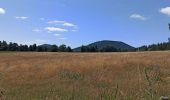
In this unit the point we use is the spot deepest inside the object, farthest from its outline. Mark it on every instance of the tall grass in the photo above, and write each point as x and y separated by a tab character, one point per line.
87	76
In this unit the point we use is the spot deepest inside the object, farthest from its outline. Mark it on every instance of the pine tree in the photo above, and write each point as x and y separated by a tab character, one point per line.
34	47
54	48
68	49
62	48
4	46
83	48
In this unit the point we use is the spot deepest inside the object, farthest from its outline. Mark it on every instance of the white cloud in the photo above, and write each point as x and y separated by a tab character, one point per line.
74	30
138	16
62	38
21	17
2	11
36	30
68	24
57	35
57	26
42	18
56	22
62	23
55	29
165	11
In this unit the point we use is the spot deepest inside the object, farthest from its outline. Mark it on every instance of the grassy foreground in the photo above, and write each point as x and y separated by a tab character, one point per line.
76	76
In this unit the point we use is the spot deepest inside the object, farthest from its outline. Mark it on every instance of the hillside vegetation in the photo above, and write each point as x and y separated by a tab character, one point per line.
104	45
88	76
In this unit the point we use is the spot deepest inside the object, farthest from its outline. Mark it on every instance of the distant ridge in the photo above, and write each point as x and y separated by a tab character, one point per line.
108	43
46	45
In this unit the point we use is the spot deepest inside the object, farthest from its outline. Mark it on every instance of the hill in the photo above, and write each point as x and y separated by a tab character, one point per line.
107	43
46	46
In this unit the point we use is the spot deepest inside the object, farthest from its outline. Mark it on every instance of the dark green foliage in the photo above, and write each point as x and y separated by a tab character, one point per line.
39	49
101	46
68	49
62	48
13	47
120	46
115	44
54	48
112	46
4	46
109	49
84	48
23	48
93	49
33	47
96	49
143	48
156	47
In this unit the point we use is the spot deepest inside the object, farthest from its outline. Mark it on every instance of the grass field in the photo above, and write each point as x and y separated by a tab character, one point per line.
88	76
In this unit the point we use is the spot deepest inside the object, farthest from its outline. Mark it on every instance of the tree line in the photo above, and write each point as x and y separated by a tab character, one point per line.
155	47
96	49
4	46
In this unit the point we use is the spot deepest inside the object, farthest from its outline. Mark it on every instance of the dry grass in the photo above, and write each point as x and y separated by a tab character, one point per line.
76	76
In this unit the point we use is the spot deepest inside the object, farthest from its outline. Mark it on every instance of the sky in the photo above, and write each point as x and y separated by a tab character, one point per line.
80	22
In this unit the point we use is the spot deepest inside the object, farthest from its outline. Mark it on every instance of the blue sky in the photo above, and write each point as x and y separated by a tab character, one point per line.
77	22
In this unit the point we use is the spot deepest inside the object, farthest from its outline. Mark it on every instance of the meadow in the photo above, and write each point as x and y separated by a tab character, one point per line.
84	76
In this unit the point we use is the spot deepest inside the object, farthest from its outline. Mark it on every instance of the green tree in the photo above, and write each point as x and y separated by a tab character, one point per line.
54	48
39	49
4	46
109	49
68	49
62	48
31	48
34	47
84	48
143	48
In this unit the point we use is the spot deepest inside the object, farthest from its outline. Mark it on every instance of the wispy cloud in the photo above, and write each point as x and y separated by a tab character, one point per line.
74	30
2	11
165	11
21	17
42	18
37	30
63	38
68	24
56	22
62	23
55	29
57	35
138	16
